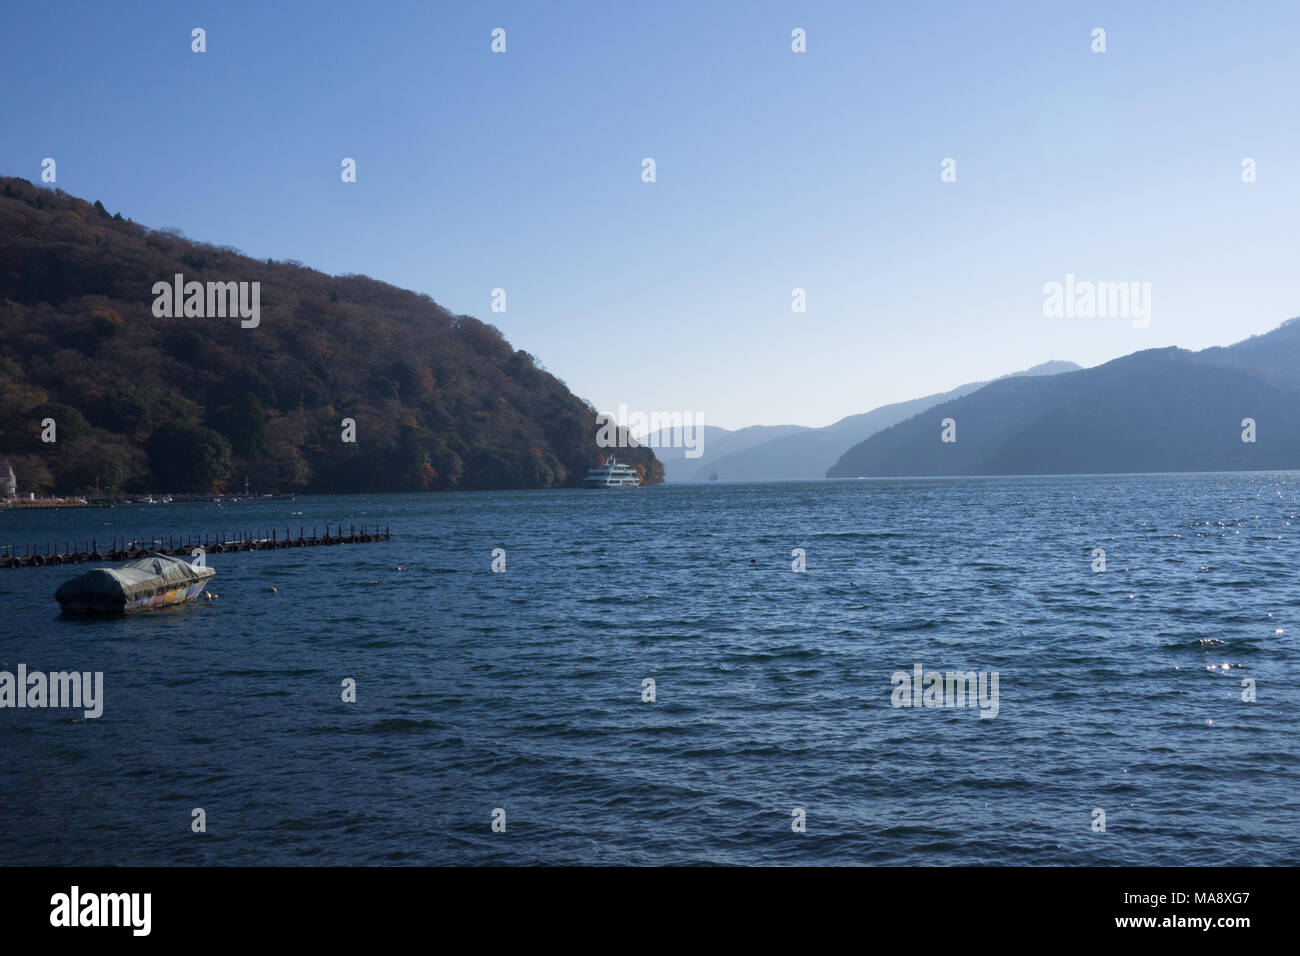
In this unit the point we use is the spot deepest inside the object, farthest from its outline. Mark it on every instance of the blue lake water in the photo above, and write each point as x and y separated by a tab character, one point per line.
522	690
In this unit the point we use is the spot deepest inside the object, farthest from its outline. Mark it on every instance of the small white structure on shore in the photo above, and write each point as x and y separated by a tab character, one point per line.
8	483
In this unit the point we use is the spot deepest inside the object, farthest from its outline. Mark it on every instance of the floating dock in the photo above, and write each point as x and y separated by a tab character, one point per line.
126	549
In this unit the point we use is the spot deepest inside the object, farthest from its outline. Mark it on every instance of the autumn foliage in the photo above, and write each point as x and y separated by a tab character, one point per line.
440	401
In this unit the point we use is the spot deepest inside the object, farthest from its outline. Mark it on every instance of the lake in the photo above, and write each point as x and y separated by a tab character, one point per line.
524	690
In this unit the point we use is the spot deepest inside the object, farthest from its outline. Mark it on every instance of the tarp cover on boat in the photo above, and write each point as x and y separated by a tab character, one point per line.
133	580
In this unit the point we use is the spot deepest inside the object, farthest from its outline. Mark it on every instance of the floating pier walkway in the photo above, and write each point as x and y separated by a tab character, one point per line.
125	549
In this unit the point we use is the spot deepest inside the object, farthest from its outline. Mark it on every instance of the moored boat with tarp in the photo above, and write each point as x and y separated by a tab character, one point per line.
154	580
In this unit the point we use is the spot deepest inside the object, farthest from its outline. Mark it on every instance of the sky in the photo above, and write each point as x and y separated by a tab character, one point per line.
774	170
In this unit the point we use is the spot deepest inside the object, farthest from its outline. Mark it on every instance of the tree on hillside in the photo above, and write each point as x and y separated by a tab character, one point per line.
32	474
188	458
244	424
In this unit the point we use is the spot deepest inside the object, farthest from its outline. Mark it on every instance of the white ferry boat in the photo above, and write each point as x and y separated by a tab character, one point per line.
612	475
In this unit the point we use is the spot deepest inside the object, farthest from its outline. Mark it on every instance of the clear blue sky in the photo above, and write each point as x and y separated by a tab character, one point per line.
775	170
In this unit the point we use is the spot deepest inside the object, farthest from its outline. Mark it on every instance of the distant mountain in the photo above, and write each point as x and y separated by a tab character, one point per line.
1156	410
809	452
715	442
148	397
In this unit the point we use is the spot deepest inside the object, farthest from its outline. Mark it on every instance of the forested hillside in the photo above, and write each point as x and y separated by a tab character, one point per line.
142	403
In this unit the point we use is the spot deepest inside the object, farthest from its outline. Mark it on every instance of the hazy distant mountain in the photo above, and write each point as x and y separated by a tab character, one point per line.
1157	410
715	443
810	451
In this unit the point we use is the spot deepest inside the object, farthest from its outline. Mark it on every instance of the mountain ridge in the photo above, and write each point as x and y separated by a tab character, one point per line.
143	402
1155	410
809	452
